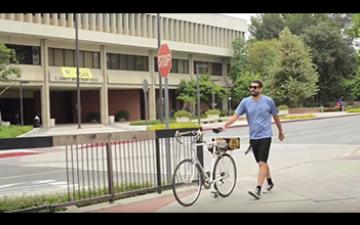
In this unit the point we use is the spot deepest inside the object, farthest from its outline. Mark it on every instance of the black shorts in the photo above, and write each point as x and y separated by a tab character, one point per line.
261	148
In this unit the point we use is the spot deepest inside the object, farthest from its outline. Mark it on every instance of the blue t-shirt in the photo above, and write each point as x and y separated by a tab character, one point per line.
258	114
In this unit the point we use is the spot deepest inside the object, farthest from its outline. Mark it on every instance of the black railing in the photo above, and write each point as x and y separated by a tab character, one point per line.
109	166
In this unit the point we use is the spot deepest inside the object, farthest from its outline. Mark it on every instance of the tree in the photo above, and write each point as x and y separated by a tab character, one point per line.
261	56
334	57
7	57
187	90
239	61
240	87
293	76
266	26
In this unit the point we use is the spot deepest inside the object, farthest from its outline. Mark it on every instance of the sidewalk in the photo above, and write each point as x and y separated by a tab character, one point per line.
298	188
124	126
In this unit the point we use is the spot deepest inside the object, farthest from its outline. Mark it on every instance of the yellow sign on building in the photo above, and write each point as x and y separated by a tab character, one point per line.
70	72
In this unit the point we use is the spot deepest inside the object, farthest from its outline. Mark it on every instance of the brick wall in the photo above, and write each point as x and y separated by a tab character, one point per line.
127	100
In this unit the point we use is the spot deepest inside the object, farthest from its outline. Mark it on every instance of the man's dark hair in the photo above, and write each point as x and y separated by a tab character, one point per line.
259	82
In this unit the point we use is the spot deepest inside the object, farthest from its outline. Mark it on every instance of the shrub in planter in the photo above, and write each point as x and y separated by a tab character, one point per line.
283	108
213	114
93	117
122	116
182	116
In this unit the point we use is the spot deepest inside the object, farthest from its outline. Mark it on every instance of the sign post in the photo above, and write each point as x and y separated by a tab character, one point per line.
164	65
145	88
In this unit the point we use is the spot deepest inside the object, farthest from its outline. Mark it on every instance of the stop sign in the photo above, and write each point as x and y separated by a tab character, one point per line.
164	60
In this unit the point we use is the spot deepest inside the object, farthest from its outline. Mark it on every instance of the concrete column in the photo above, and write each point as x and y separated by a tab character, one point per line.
2	16
126	23
79	20
28	17
46	19
99	23
85	21
151	94
119	23
62	19
93	21
182	31
54	19
201	34
37	18
106	22
177	31
71	20
104	98
187	39
165	29
196	31
20	17
144	32
138	24
150	26
132	24
191	32
113	23
45	89
11	16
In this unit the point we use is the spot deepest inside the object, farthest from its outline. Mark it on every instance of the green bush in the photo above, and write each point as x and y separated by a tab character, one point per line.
13	131
174	126
212	112
93	117
283	107
222	114
182	113
144	122
122	115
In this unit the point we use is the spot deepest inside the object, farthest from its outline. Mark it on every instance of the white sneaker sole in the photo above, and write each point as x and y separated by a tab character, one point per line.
254	195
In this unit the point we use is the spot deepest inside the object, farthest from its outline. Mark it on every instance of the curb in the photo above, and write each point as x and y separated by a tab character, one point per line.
291	121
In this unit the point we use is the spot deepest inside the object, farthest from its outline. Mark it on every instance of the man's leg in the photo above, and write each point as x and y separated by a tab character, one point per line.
263	173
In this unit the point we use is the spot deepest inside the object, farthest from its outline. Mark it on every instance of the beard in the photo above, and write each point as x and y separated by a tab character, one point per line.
254	94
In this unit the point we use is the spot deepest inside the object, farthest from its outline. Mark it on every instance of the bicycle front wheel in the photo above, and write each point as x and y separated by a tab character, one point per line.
224	175
187	182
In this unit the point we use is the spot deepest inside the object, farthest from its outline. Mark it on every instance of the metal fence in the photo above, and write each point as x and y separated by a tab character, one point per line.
108	166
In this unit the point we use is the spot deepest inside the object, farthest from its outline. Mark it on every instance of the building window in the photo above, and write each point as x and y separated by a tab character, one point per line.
127	62
216	69
178	66
211	68
29	55
66	57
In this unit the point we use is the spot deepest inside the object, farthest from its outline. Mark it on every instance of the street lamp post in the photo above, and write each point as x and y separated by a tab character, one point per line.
21	103
198	66
77	70
229	105
213	98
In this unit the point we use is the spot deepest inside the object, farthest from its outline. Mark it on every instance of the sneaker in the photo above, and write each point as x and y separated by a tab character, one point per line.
268	188
255	194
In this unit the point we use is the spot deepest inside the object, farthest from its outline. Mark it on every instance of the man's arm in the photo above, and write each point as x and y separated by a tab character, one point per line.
230	121
278	124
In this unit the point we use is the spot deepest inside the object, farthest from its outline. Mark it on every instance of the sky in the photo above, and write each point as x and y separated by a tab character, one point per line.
245	16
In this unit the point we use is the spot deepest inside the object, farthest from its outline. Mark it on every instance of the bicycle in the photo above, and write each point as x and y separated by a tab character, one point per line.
189	176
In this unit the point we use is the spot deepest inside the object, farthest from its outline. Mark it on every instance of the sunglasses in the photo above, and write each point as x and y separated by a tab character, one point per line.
253	87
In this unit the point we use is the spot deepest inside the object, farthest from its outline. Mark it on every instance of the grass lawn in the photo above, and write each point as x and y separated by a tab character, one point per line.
13	131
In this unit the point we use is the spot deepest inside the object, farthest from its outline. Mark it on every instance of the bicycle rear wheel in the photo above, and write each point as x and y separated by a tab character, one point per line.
224	175
187	181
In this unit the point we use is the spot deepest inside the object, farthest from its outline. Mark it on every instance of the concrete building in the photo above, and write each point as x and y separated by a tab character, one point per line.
117	52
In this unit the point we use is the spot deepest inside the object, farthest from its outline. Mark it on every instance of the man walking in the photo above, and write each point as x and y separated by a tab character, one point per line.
259	109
